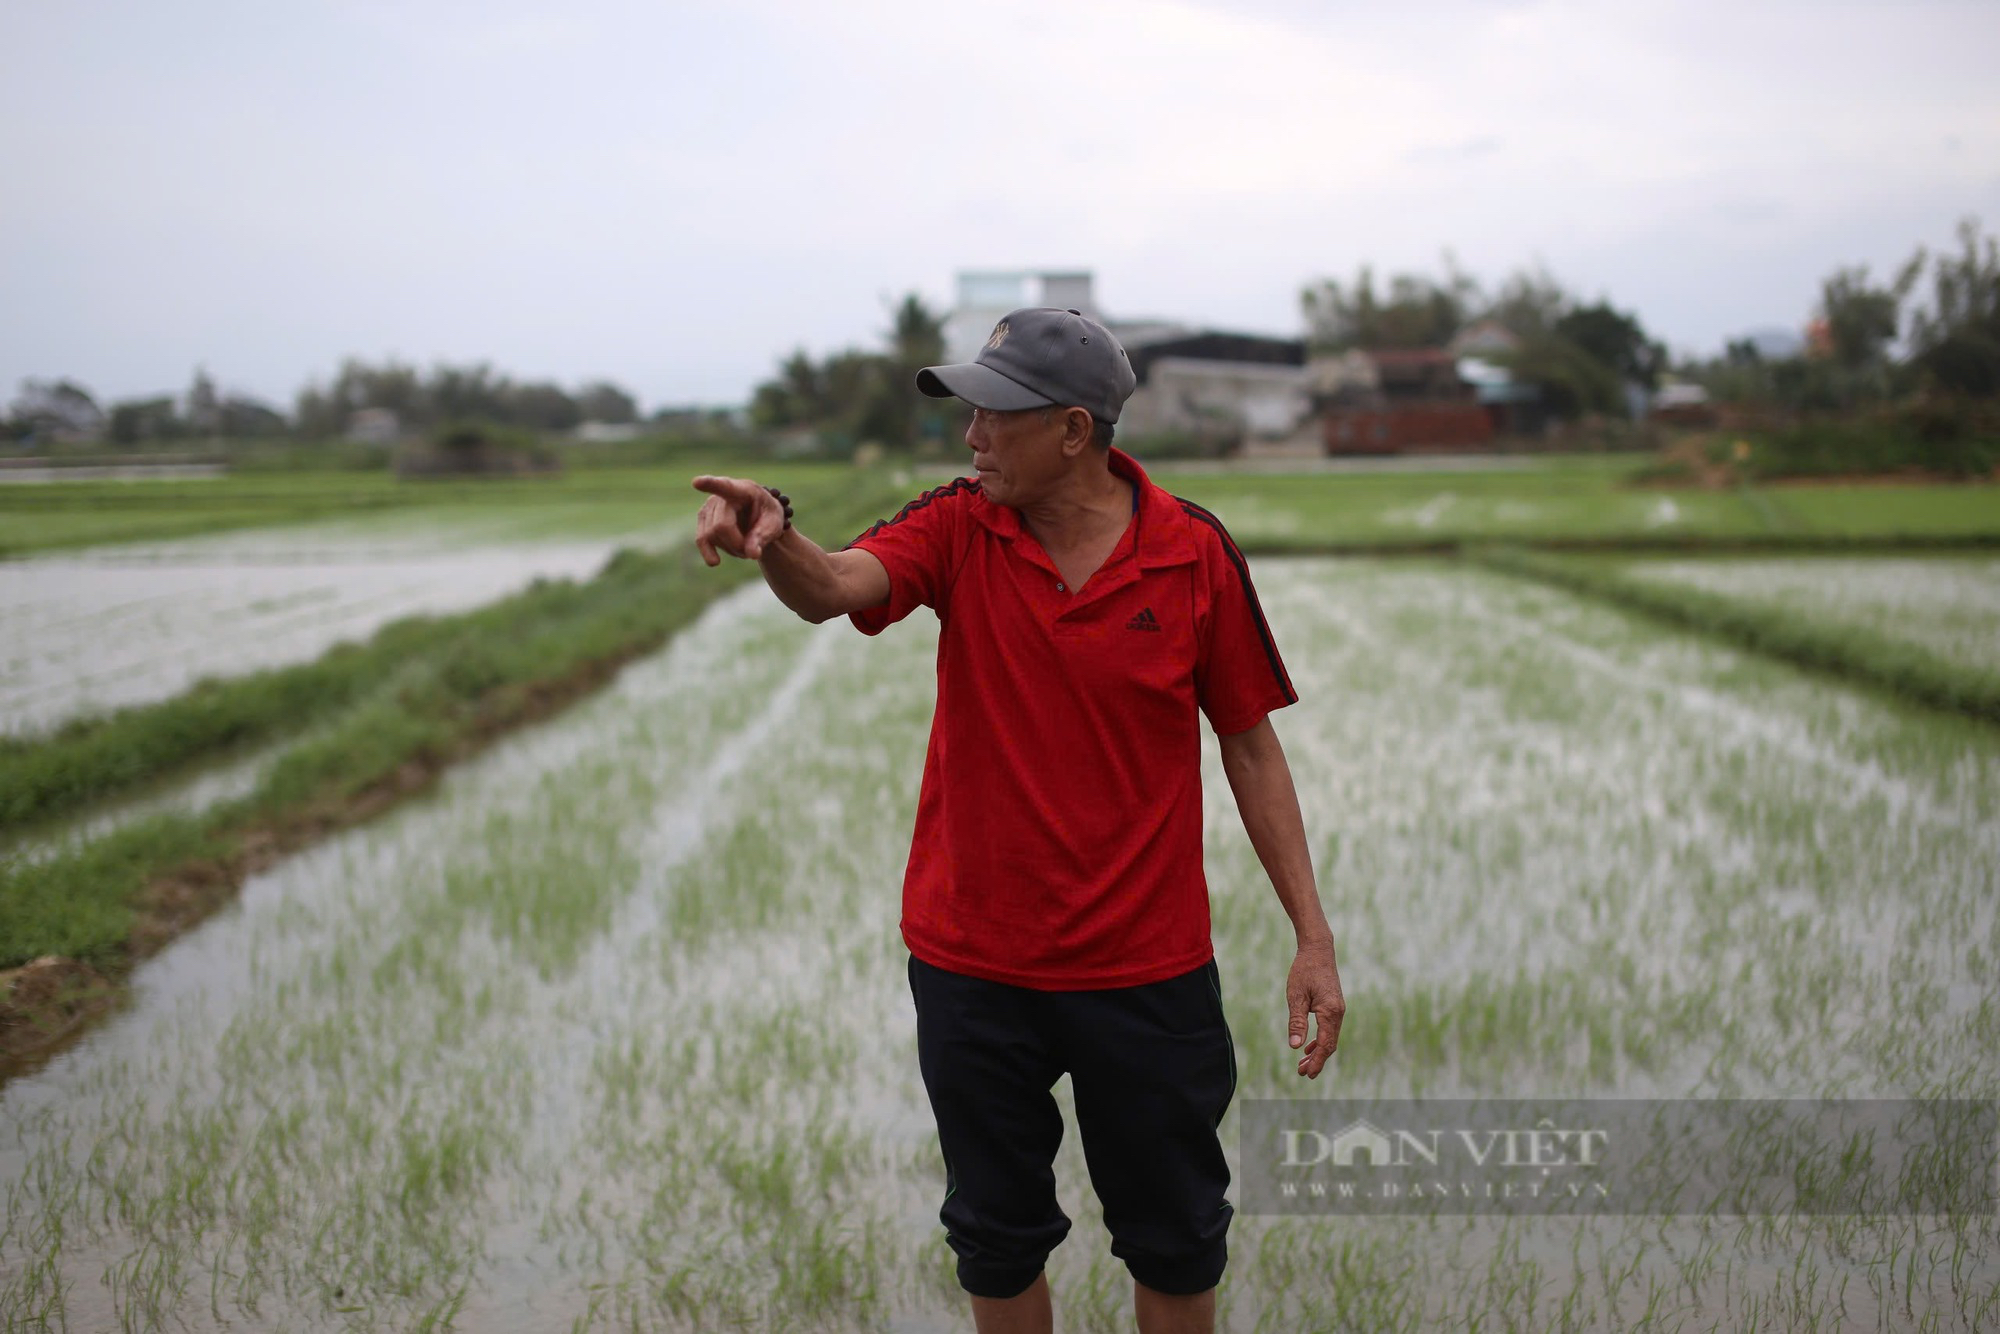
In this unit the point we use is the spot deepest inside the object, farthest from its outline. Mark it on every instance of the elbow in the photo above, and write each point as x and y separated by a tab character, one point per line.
813	611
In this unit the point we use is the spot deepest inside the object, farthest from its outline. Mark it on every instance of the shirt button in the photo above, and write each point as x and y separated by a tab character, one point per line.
1061	589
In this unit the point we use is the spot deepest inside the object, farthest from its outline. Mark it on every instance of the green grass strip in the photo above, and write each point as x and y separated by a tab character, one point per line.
92	759
505	665
1907	671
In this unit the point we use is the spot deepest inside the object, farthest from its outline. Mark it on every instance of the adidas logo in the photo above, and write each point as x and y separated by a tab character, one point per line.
1145	620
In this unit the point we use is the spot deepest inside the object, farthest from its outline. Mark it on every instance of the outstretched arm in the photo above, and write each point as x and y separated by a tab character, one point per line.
742	519
1269	805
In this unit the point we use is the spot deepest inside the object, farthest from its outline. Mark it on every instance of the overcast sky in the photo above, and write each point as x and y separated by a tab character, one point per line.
674	195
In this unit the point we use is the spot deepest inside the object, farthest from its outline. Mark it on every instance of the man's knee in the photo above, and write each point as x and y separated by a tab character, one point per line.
996	1280
999	1259
1179	1273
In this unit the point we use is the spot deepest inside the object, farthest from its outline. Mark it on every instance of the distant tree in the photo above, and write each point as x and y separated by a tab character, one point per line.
1417	311
240	417
1578	356
804	387
1614	340
1530	302
466	393
857	395
392	386
916	335
903	416
796	397
1339	317
137	421
603	401
1862	319
55	409
316	414
771	406
1741	352
1955	342
320	413
203	413
540	405
1571	380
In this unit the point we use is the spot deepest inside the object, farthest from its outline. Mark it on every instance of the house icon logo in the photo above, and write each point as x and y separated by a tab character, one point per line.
1361	1144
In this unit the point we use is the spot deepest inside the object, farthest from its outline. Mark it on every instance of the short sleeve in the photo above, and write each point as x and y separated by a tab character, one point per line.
916	548
1239	677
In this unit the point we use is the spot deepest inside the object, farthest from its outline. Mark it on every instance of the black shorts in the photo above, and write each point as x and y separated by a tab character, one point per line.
1153	1069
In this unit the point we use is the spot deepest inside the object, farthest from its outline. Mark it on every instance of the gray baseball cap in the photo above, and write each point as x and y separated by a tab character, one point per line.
1039	356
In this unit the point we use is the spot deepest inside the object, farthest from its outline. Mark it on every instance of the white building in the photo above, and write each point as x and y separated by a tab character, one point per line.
984	295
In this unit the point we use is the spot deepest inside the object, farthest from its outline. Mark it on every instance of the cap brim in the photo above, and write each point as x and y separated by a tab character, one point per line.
981	386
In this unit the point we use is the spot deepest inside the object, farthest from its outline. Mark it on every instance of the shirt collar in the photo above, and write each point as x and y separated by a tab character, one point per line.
1165	537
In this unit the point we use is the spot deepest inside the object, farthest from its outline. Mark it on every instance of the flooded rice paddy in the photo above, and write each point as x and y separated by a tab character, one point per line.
612	1031
1947	605
134	623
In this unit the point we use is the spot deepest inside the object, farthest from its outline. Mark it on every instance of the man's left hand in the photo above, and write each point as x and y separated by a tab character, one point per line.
1313	987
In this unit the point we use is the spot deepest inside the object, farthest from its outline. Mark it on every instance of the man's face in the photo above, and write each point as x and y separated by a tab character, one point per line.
1017	456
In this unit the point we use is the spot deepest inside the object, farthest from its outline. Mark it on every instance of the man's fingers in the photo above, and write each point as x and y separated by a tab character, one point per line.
738	518
764	529
1326	1014
711	530
729	488
1330	1016
1316	1055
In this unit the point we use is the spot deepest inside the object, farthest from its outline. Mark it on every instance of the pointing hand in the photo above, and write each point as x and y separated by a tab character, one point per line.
739	517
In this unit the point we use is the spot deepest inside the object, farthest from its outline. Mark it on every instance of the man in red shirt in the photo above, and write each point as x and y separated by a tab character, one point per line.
1054	904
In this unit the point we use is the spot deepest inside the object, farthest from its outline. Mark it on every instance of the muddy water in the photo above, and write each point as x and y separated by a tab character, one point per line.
613	1029
94	630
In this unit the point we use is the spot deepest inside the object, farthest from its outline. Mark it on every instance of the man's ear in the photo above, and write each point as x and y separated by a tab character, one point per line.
1077	430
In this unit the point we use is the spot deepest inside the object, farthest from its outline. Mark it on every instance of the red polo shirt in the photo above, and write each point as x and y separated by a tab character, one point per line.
1058	840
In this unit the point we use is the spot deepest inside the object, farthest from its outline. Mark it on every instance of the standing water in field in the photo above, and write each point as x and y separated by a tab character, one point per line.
612	1031
1948	606
90	631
